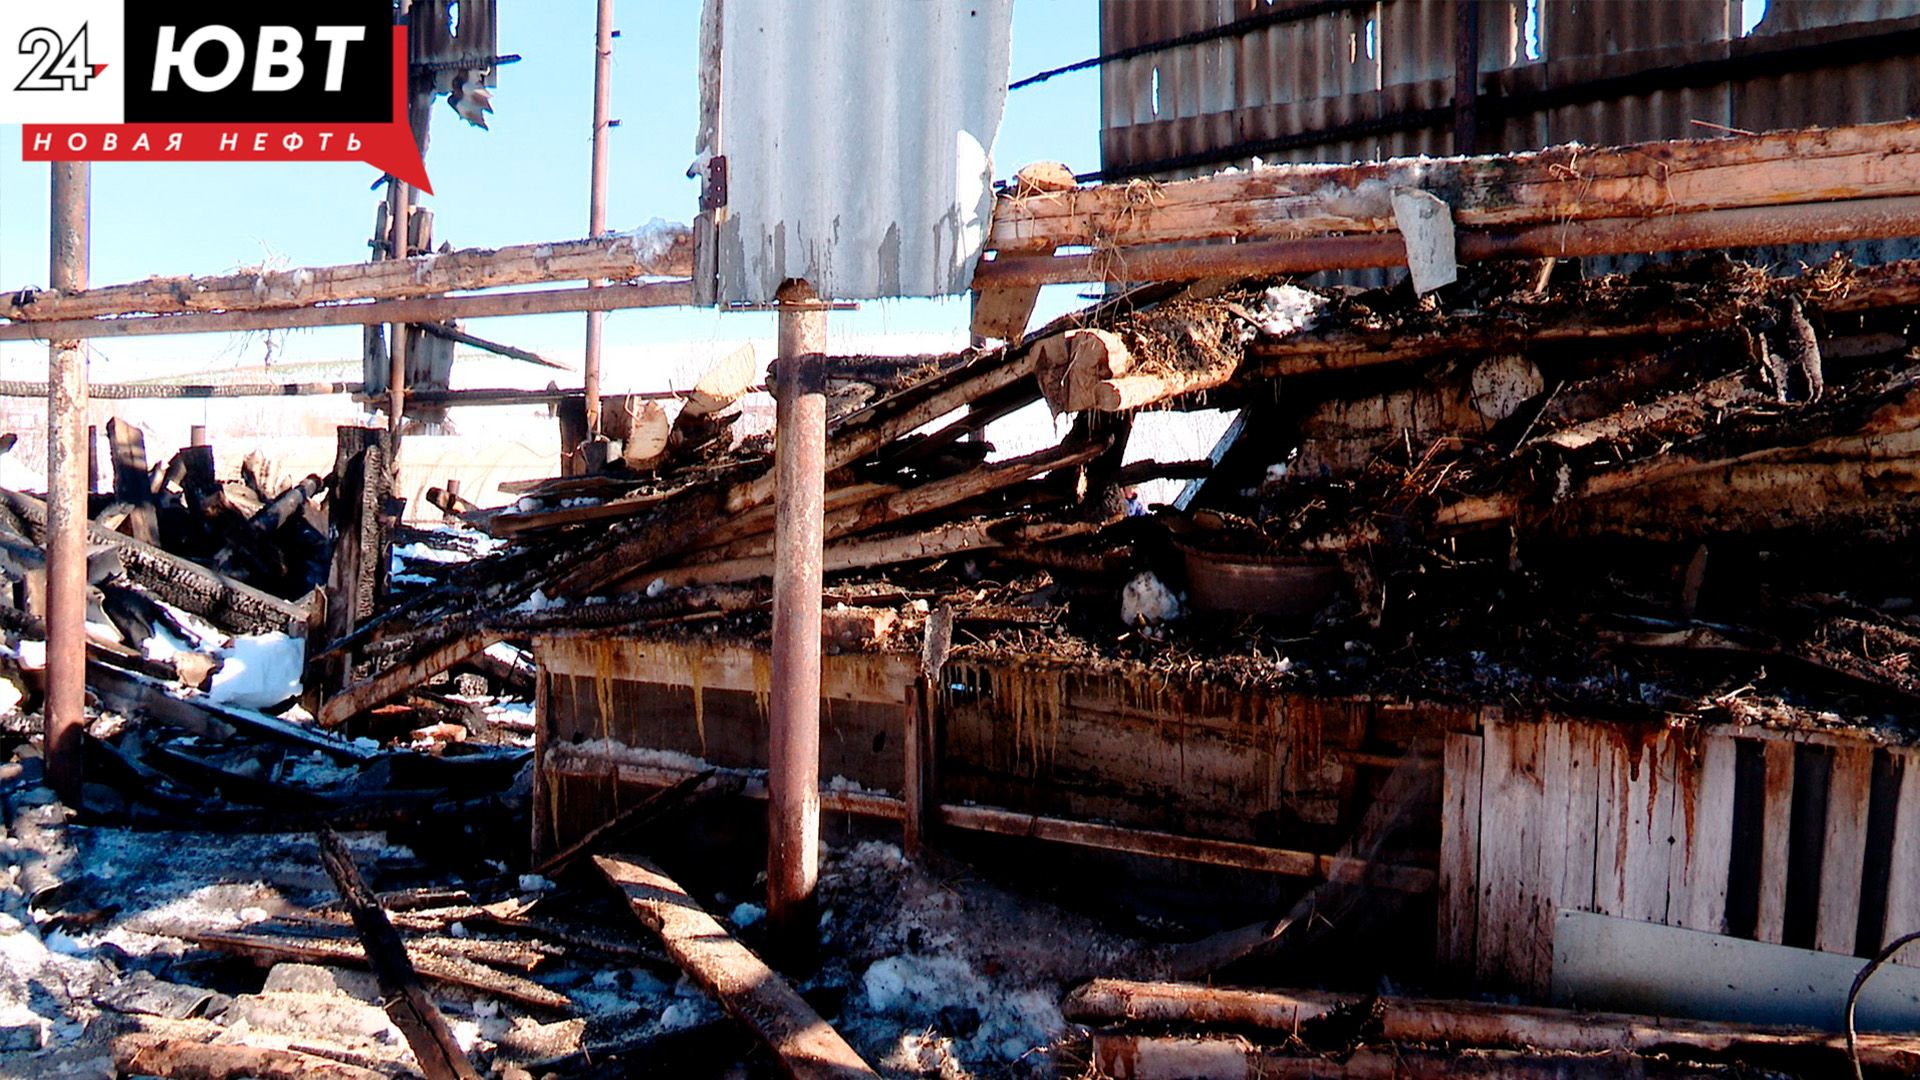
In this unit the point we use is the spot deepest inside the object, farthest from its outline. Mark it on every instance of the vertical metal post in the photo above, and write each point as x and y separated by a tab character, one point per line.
66	495
399	202
1466	75
597	194
793	758
197	435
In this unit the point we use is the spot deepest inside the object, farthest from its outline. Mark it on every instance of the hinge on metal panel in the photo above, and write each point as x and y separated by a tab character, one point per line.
713	193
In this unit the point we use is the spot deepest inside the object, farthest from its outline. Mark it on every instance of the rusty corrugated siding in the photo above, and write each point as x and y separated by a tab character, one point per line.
857	137
1308	90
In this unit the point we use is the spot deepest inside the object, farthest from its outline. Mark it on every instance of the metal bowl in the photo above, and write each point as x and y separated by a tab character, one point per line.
1283	586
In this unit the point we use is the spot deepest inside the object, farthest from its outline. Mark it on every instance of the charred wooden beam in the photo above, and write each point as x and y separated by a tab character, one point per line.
128	448
454	971
391	682
751	992
233	605
406	1000
151	1054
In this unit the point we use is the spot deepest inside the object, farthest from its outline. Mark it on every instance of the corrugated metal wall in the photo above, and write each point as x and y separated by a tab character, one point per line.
857	139
1344	82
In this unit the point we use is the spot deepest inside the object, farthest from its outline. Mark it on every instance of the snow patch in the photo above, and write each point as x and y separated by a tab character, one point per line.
1288	309
259	671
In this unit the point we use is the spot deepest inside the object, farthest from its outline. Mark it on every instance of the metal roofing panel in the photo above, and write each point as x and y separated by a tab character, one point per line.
858	140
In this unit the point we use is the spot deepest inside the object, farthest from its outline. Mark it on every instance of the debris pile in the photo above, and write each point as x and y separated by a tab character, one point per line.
1450	495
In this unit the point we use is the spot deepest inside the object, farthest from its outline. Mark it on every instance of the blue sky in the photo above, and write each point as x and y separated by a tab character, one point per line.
523	181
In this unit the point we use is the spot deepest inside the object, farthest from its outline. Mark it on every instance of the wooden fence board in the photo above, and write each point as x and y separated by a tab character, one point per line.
1460	853
1777	823
1844	855
1708	832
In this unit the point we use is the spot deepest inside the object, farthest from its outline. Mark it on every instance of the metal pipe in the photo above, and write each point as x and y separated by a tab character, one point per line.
400	204
65	709
197	435
423	309
399	201
1466	77
597	194
793	752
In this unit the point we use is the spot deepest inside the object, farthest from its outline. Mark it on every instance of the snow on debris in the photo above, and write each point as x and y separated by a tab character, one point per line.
1288	309
259	671
951	976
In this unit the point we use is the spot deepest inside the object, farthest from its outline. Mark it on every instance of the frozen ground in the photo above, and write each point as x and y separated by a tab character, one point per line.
929	973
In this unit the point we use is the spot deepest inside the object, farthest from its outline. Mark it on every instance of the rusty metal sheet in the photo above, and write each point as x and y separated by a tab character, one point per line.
1354	77
857	138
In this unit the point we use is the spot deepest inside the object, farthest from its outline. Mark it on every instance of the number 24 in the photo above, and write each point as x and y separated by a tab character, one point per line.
57	65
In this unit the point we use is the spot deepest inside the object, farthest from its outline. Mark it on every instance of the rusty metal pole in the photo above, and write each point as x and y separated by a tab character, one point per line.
793	753
66	495
1466	77
399	205
399	201
597	194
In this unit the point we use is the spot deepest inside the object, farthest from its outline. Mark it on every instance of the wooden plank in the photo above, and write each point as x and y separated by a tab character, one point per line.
1650	837
878	678
610	258
1776	825
1612	823
1582	793
1903	881
1844	856
1550	820
1459	877
805	1046
1708	839
1559	184
1510	796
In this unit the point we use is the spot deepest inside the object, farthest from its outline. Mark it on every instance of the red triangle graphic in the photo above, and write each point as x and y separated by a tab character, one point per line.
98	68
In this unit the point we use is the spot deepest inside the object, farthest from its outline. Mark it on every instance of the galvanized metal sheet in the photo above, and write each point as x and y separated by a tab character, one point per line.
858	138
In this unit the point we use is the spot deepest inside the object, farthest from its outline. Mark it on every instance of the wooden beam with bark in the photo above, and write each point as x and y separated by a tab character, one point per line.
607	258
142	1053
805	1046
1485	1025
1556	185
